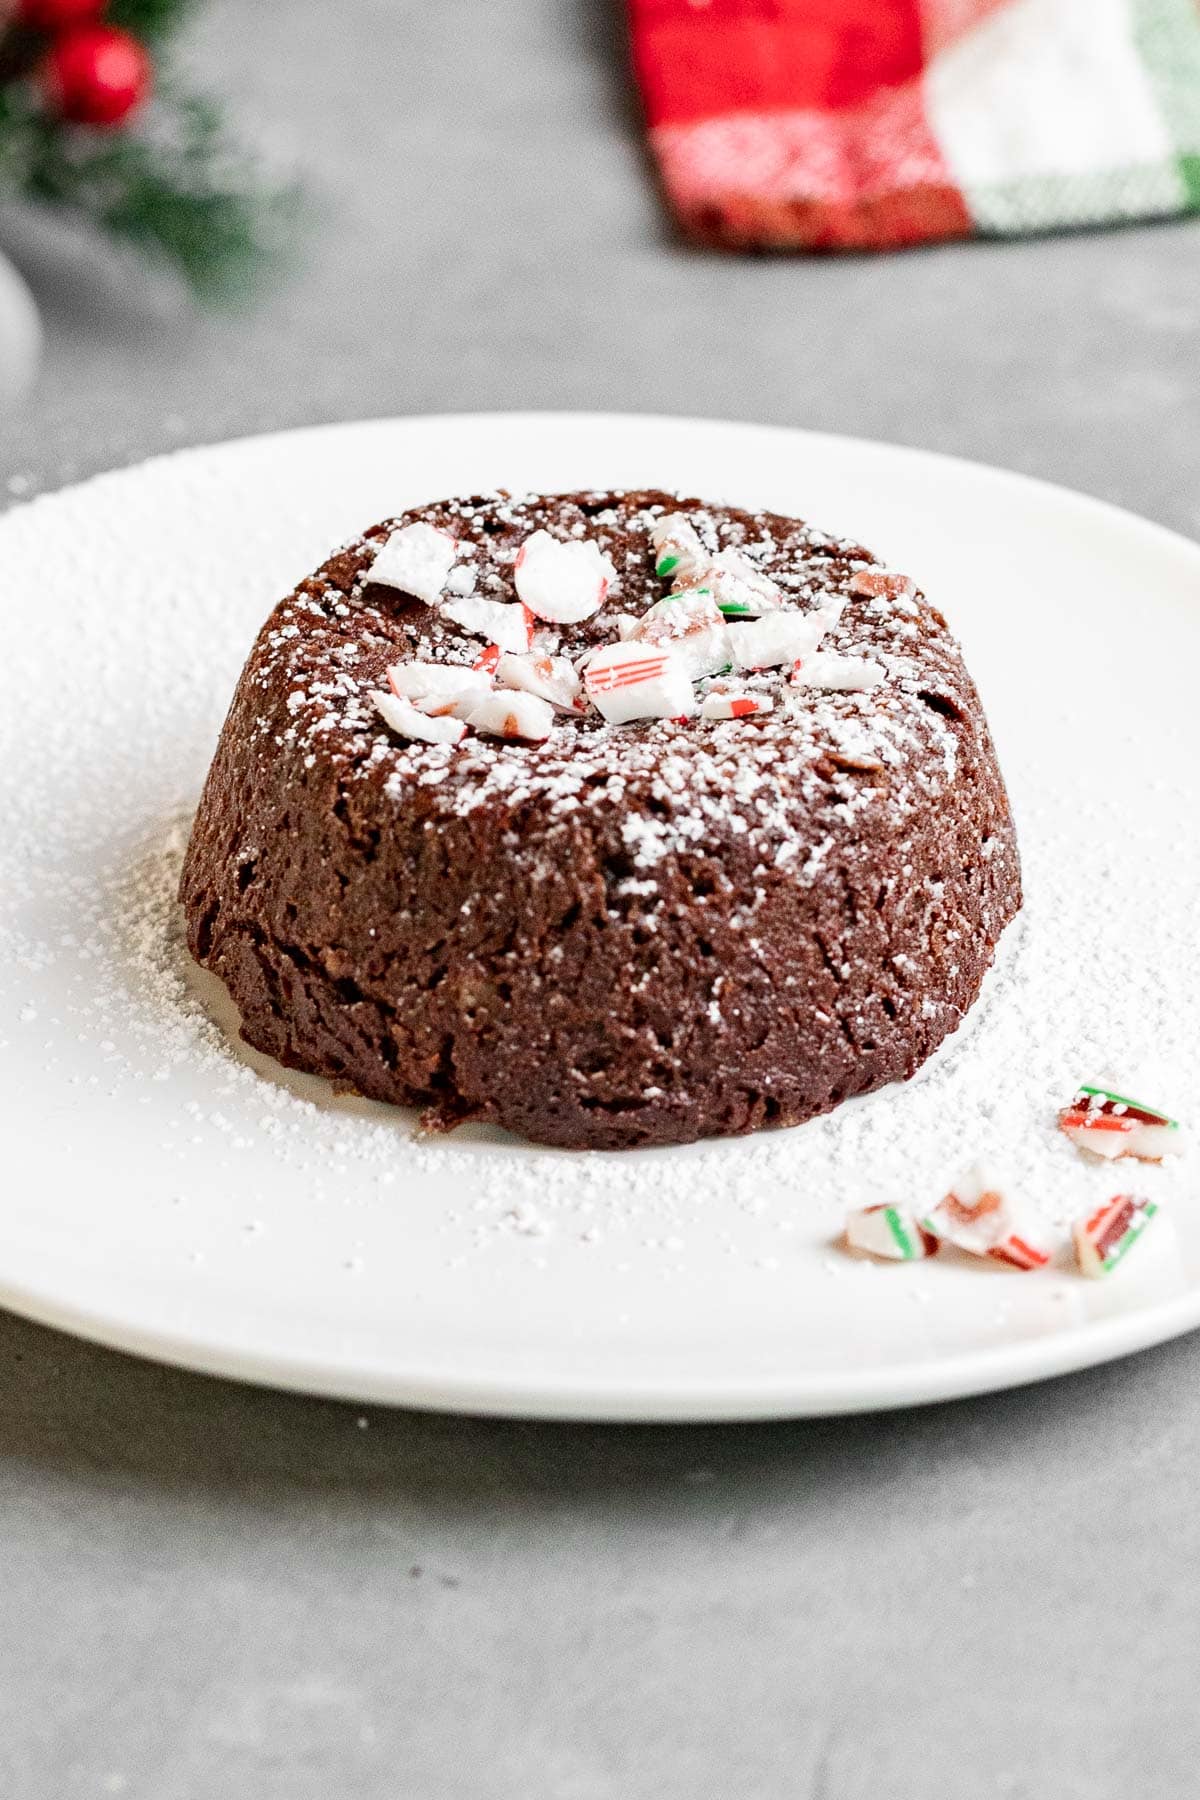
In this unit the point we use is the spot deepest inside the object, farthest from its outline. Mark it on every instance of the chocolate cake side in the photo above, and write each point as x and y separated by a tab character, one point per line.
622	936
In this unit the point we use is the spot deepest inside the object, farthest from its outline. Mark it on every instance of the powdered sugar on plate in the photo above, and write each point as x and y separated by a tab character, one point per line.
167	1175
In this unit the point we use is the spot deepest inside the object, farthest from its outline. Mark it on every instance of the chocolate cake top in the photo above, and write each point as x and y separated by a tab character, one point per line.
818	754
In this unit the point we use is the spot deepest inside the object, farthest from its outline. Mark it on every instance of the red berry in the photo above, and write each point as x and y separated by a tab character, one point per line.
57	15
96	75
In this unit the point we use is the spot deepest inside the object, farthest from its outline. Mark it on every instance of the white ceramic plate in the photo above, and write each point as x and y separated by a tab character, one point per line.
168	1194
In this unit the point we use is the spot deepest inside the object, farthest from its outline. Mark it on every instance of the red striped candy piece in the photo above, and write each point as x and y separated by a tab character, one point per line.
735	706
978	1217
1112	1125
632	680
1106	1236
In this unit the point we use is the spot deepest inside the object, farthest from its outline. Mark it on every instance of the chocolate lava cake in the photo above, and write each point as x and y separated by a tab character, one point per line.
614	818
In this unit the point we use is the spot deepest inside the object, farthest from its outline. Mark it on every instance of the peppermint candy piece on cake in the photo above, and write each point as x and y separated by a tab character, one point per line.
404	718
416	559
1111	1125
562	583
780	637
505	623
552	678
1107	1235
837	674
739	589
978	1217
889	1231
439	689
462	579
882	584
638	681
729	705
513	715
689	624
679	555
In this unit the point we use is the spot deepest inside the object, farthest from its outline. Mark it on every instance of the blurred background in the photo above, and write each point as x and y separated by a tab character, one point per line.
481	228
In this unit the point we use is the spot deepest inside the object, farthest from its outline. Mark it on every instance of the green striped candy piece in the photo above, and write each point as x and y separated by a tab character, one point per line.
666	565
1138	1106
909	1249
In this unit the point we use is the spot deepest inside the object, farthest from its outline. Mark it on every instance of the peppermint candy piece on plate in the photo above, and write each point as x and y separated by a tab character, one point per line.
638	681
505	623
739	589
552	678
889	1231
416	559
1107	1235
882	584
439	689
562	583
1111	1125
837	674
679	555
978	1217
404	718
689	624
729	705
780	637
513	715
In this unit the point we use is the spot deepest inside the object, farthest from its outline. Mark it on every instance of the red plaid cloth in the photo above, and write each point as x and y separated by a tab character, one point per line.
849	124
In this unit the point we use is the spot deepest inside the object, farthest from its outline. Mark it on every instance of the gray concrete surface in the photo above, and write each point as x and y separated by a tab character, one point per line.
211	1593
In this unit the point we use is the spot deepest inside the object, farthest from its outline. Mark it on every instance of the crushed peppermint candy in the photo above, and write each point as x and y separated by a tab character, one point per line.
637	681
552	678
978	1216
725	704
409	722
679	555
438	689
740	590
563	583
779	637
891	1232
417	559
1103	1238
513	715
1110	1125
505	623
837	674
690	624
